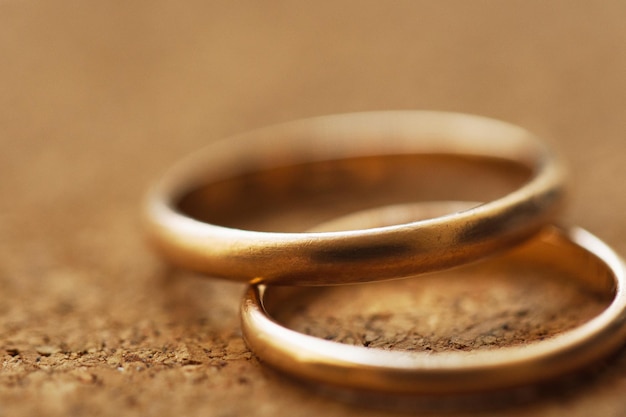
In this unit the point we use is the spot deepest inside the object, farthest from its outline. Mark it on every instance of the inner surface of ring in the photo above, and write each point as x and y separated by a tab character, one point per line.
295	197
534	292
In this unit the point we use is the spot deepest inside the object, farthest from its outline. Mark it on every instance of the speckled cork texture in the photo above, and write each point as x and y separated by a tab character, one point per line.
98	98
481	307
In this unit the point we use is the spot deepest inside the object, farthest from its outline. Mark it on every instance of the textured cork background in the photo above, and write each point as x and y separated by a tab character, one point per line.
97	98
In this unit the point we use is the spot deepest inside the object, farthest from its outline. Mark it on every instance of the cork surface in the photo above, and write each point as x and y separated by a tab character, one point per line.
97	98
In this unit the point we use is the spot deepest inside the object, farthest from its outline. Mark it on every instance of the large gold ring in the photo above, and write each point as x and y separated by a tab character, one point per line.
574	252
386	157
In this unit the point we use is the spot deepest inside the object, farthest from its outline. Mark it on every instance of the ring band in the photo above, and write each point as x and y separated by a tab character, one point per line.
326	151
573	251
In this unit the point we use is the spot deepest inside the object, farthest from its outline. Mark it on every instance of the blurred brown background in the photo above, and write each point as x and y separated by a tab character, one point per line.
97	98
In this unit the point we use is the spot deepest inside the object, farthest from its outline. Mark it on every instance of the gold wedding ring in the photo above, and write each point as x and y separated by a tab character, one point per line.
196	214
574	252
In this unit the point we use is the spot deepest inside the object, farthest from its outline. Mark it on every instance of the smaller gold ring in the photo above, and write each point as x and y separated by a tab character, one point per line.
574	251
327	159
